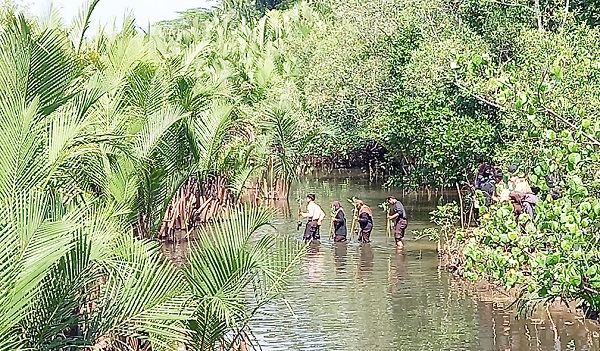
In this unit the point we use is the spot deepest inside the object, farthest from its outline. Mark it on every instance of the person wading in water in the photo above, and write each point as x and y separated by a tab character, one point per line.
365	219
315	215
399	216
339	222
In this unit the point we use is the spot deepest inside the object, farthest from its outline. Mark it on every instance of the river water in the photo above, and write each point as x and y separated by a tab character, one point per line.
373	297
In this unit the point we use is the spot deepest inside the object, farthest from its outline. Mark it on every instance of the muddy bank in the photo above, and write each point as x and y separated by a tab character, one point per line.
452	260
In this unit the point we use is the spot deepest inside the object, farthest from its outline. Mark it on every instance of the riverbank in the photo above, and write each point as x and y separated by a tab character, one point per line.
452	259
351	296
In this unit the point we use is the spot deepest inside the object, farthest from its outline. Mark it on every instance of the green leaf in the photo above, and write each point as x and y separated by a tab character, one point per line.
574	158
586	123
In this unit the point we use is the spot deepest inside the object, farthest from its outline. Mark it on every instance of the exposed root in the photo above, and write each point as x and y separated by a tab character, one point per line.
452	257
194	204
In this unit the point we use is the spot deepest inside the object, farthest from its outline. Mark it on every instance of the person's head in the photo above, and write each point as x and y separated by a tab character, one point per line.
512	169
482	168
488	171
310	197
391	199
359	204
336	205
498	175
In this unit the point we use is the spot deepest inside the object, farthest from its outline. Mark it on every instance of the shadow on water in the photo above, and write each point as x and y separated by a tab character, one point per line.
348	296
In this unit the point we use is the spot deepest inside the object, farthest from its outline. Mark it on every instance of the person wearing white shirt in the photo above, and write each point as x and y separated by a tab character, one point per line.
314	215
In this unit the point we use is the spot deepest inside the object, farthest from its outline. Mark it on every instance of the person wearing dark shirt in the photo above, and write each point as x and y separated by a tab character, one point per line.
486	181
339	222
365	219
400	219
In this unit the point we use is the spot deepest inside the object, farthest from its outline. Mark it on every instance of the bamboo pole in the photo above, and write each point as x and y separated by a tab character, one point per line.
462	221
353	222
331	229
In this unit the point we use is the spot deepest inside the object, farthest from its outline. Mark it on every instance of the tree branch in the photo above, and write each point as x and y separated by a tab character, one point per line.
512	4
485	100
570	124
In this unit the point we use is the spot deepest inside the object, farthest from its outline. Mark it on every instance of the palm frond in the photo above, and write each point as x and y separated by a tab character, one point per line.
81	24
143	295
37	236
210	133
51	71
226	261
150	136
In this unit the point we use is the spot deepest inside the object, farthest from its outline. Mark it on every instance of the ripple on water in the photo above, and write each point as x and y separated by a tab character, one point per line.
371	297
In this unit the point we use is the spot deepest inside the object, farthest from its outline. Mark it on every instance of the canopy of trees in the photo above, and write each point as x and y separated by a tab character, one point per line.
114	138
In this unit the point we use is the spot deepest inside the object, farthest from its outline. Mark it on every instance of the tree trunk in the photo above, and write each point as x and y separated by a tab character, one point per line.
538	14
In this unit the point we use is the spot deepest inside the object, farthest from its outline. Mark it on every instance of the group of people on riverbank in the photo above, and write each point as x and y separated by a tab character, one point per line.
490	180
362	214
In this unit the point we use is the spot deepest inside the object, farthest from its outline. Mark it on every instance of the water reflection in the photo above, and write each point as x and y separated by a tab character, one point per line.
397	273
340	250
372	297
315	263
555	329
365	264
176	250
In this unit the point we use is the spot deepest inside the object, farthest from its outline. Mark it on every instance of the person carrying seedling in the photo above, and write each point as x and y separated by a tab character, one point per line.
315	215
401	221
365	219
340	230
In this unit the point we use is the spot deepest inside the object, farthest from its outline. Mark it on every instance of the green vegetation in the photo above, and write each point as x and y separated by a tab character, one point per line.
100	139
556	254
112	140
445	85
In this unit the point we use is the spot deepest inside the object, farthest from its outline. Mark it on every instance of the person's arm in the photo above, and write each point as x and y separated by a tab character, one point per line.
363	218
310	211
341	217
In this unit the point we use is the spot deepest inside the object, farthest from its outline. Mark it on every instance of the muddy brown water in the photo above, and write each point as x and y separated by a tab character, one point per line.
366	297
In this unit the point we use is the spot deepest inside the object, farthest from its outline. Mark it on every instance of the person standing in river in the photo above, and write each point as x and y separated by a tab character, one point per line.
401	219
339	222
365	220
314	215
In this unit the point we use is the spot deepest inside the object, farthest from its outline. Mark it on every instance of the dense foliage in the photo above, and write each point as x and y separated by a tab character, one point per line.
525	74
108	138
555	254
443	85
98	136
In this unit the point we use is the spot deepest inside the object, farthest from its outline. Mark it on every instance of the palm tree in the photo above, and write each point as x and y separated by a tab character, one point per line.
237	267
61	253
98	136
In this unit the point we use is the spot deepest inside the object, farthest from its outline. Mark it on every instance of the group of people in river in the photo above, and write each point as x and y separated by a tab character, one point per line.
362	214
514	188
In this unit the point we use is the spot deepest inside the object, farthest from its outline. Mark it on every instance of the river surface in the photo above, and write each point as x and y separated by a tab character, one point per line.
372	297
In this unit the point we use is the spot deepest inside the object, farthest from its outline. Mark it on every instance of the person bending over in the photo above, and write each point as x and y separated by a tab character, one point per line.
365	220
400	219
339	222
